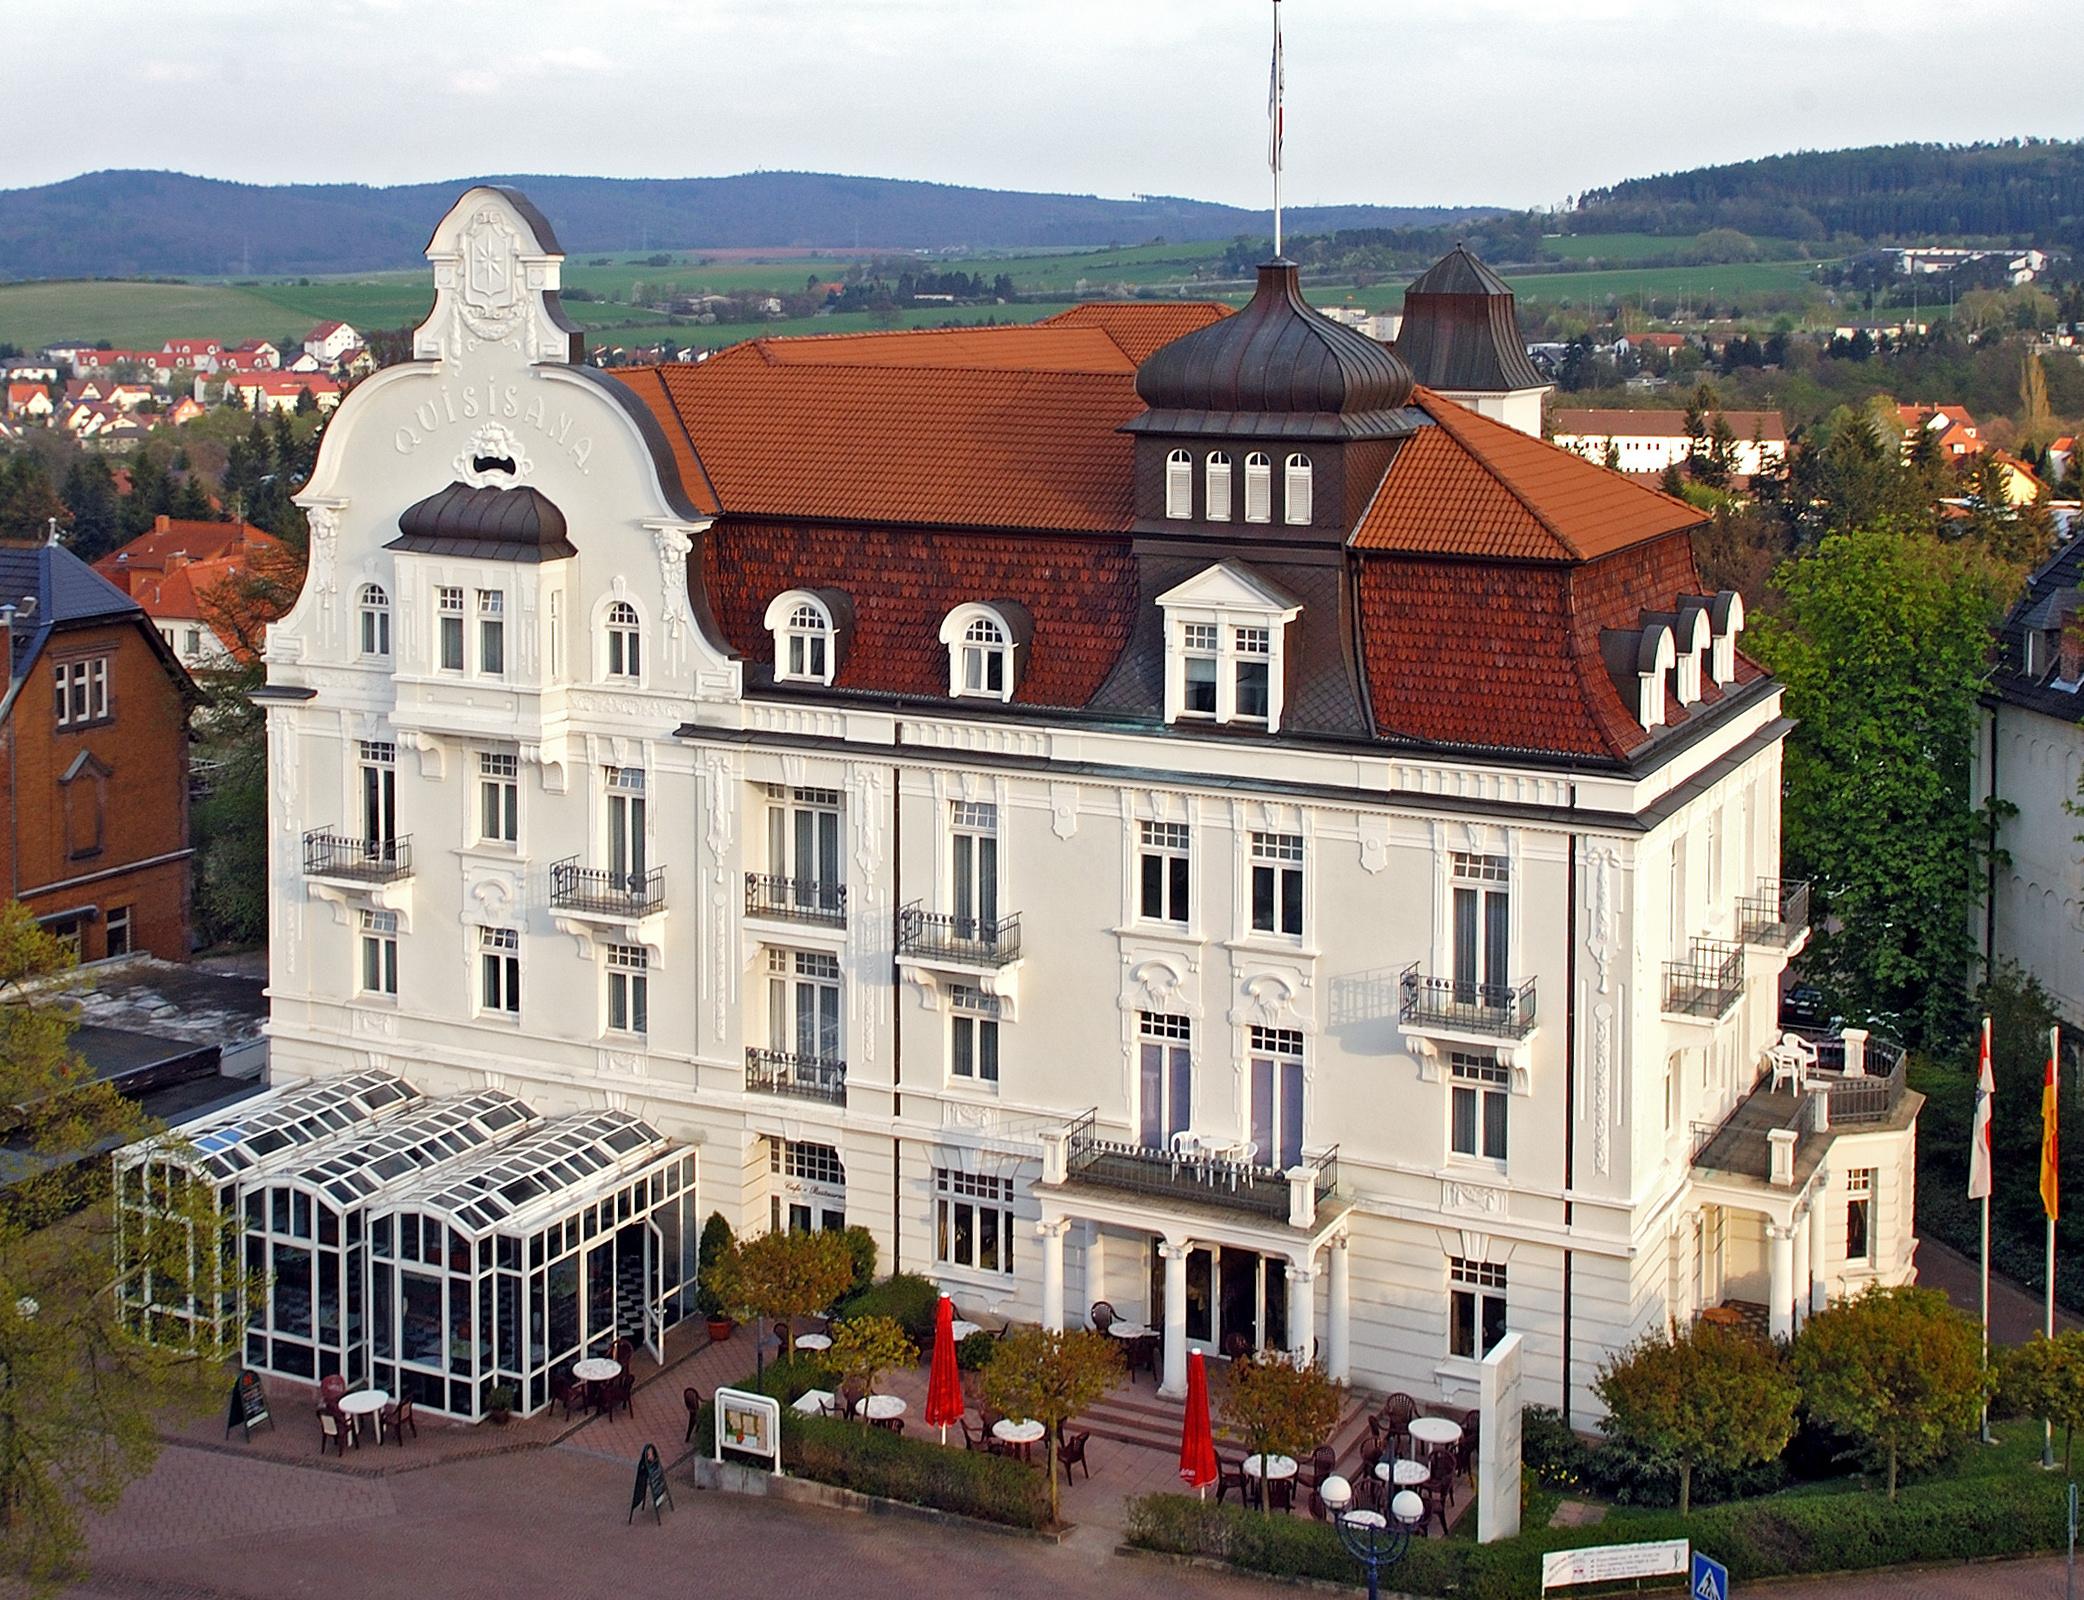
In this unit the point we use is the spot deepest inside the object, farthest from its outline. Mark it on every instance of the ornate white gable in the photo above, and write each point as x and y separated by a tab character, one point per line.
496	272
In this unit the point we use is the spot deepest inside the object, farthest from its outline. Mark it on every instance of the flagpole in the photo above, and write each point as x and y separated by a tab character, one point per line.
2048	1136
1274	144
1984	1084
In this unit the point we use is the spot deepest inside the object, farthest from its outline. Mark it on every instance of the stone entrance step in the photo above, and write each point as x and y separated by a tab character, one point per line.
1136	1414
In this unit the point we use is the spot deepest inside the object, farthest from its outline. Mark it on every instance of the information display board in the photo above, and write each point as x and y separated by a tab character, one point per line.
1611	1563
748	1424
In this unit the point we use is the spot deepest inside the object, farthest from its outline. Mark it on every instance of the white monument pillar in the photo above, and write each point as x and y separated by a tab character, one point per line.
1498	1442
1052	1274
1819	1251
1302	1311
1780	1293
1338	1333
1175	1385
1798	1287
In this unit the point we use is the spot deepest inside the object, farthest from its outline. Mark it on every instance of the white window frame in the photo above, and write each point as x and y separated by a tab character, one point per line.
1166	1077
623	632
975	656
449	653
1277	1095
1472	1287
1179	485
973	866
374	631
1480	1095
806	645
795	977
1215	490
1259	487
982	1204
1171	846
1296	494
807	827
626	823
499	799
629	990
376	955
973	1037
1234	641
492	632
1277	865
499	973
1479	879
81	691
1859	1195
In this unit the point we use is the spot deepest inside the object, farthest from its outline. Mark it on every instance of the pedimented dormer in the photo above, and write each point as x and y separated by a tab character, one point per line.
1226	636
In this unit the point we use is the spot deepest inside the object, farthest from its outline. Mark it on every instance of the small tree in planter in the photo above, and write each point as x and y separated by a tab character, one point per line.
864	1348
784	1276
499	1405
1050	1378
716	1243
1898	1368
1696	1396
1281	1406
2045	1378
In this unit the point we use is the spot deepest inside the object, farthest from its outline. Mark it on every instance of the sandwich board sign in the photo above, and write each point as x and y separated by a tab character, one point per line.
248	1406
1612	1563
650	1488
1710	1579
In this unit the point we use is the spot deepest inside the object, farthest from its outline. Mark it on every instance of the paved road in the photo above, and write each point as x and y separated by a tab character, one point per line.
2016	1312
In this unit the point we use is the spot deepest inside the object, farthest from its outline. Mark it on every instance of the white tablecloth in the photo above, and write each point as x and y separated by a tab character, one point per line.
882	1407
1276	1467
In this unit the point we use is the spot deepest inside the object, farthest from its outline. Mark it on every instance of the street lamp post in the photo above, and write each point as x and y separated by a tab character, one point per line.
1372	1539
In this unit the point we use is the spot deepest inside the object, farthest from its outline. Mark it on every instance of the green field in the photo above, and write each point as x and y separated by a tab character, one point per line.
1598	288
1627	247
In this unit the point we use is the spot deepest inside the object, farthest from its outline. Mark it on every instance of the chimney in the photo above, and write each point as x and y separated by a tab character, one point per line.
161	522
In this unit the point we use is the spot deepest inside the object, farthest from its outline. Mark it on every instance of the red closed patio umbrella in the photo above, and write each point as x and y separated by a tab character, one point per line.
1197	1445
943	1383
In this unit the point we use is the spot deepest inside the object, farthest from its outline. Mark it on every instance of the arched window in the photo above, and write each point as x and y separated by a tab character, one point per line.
1217	487
376	620
981	647
625	641
1295	501
1179	484
806	647
1259	488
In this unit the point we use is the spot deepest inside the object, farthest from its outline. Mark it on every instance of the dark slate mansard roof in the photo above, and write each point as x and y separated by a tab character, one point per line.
2054	595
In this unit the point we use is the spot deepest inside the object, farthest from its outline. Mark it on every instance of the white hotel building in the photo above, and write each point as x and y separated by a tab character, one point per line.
1151	807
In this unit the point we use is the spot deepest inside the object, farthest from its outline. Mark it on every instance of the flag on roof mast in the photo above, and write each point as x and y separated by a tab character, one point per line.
1273	120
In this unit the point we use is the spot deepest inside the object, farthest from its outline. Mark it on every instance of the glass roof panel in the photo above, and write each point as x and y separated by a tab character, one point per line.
415	1144
552	1170
279	1125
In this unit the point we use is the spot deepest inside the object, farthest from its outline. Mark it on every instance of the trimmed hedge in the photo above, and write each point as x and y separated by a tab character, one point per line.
1786	1535
905	1298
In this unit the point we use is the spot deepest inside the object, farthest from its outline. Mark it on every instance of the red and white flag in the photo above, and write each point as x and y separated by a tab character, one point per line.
1979	1126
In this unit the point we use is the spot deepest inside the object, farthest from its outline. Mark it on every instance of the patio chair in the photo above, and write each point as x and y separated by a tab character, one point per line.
1323	1462
393	1420
1231	1475
622	1352
1071	1452
1280	1494
1390	1427
979	1444
691	1397
850	1398
1436	1494
1443	1469
619	1390
329	1427
332	1389
1102	1316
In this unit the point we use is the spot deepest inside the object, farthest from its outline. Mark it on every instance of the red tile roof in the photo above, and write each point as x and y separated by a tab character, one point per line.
175	542
1475	487
1140	328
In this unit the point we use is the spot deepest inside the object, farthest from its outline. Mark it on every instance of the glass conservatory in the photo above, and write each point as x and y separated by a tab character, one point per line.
225	1151
304	1228
503	1270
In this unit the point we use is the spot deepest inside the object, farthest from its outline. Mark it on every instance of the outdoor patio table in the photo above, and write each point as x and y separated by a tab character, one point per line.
362	1403
1404	1474
596	1369
1132	1330
1021	1434
882	1407
1275	1467
815	1402
962	1330
1434	1432
813	1341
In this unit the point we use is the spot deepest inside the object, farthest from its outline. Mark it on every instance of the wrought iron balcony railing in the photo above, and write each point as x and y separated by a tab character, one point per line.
337	855
798	1077
604	892
795	899
1707	983
1776	915
1237	1185
1504	1010
938	936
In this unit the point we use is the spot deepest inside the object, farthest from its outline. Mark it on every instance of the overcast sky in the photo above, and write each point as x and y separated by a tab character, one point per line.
1389	101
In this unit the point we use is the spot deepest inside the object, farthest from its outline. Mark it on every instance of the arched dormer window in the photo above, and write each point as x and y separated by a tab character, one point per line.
1295	494
982	646
805	650
1179	484
625	641
1690	642
1259	487
375	607
1216	490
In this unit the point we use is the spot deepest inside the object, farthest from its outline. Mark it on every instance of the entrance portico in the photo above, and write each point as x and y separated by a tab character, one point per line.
1232	1253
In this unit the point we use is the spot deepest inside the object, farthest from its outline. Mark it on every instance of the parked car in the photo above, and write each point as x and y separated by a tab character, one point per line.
1802	1007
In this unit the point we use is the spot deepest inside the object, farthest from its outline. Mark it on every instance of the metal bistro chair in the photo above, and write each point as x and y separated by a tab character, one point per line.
1102	1316
691	1397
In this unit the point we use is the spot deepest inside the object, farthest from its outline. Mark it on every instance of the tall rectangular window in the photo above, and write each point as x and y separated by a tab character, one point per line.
1164	871
80	691
1476	1306
975	869
973	1221
626	816
1164	1078
1482	926
1277	1096
1198	648
380	953
973	1035
1253	648
1479	1095
1859	1215
629	989
379	798
448	606
803	1003
1277	883
499	797
499	971
803	843
118	930
492	632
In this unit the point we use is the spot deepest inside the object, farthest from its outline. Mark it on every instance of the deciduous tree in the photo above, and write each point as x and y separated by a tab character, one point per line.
1699	1396
864	1348
2045	1378
1281	1406
785	1276
1050	1378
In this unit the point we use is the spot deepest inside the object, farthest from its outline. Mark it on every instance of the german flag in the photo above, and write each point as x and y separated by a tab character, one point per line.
2048	1163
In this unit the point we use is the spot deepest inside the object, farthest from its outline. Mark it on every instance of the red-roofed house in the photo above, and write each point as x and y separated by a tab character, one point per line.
174	573
279	391
330	340
28	400
198	354
1953	431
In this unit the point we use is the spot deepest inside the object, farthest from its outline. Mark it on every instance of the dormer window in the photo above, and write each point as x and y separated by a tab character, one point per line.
625	641
1259	487
1690	645
982	644
804	648
1295	498
1656	656
1727	615
1179	484
376	620
1216	488
1224	630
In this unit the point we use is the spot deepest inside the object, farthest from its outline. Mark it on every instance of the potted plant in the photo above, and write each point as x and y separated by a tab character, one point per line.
715	1245
499	1405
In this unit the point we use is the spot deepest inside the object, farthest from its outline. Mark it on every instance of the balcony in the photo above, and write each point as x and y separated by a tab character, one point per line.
796	1077
1777	916
1777	1135
599	892
957	941
795	900
1707	983
1495	1010
1198	1179
338	856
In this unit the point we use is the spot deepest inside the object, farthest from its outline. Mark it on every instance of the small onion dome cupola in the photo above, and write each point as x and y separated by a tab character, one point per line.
491	523
1459	334
1277	369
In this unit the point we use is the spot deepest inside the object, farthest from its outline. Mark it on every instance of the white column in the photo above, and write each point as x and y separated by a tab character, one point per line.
1819	1252
1175	1384
1798	1285
1338	1336
1095	1264
1302	1310
1780	1296
1052	1274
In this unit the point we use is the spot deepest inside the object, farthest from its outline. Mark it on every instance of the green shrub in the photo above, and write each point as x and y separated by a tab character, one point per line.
904	1297
916	1471
790	1376
973	1352
861	1245
716	1240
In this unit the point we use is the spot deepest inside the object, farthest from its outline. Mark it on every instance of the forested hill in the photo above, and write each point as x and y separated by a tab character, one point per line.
128	224
2020	191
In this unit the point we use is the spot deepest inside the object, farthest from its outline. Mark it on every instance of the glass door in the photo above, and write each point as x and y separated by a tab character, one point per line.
1238	1298
654	1292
